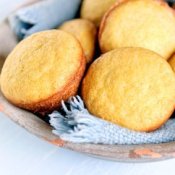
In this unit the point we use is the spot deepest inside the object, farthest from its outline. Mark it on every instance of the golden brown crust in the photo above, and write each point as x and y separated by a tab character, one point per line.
85	31
160	124
100	97
64	75
94	10
104	19
54	102
113	7
120	2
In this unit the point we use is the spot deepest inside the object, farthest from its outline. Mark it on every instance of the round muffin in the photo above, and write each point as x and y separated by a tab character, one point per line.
132	87
139	23
42	70
85	32
172	62
95	9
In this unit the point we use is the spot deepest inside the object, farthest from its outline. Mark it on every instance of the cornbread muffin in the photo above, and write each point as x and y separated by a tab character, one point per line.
132	87
95	9
139	23
85	32
42	70
172	62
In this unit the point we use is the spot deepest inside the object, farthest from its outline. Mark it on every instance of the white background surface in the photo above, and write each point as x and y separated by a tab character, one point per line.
23	154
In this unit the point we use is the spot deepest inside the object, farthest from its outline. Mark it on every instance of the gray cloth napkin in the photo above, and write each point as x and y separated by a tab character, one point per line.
43	15
79	126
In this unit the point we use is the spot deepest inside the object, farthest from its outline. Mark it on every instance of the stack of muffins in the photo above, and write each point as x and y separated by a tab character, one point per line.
131	84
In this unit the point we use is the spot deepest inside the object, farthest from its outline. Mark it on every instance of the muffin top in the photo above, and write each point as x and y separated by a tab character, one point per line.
95	9
139	23
40	66
85	32
132	87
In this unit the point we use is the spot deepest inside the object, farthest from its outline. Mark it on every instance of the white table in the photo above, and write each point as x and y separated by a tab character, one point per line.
21	153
